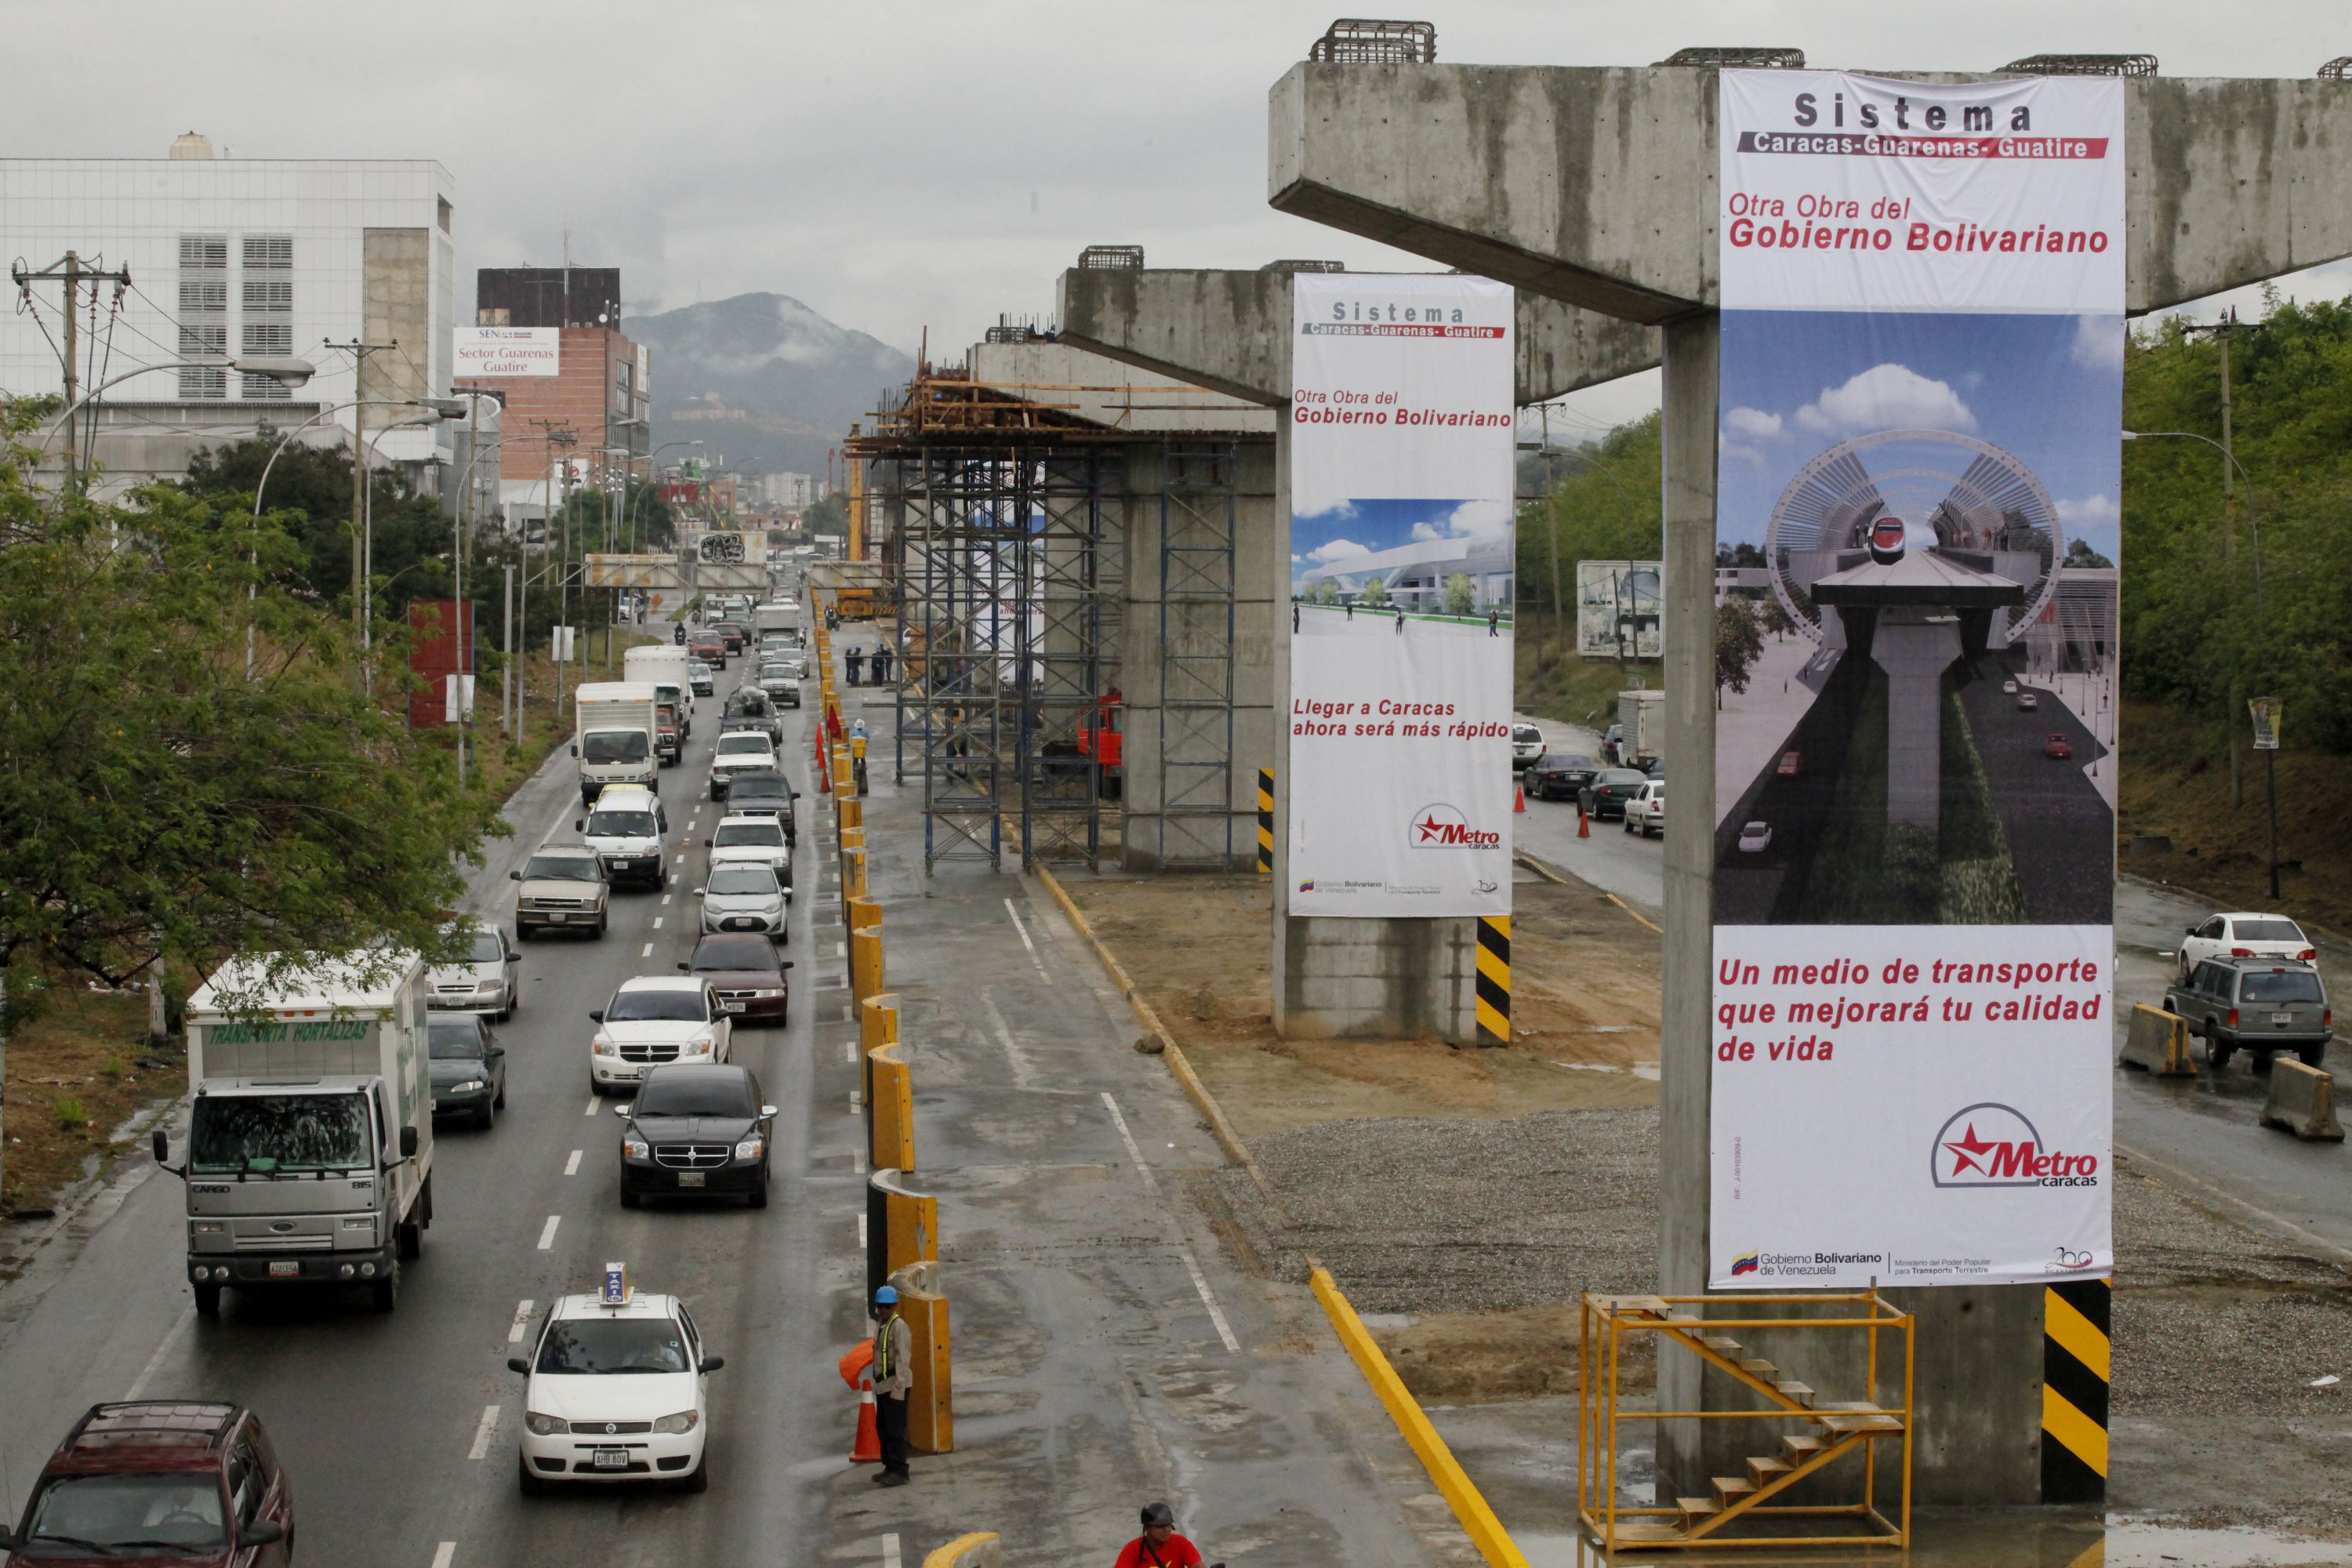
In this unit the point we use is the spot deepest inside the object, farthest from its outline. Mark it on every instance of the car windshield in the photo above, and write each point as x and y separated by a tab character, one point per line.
675	1006
1526	733
613	746
127	1516
719	952
612	1345
1622	778
559	868
765	834
487	948
748	785
621	824
697	1092
742	746
455	1039
743	878
262	1133
2268	931
2279	986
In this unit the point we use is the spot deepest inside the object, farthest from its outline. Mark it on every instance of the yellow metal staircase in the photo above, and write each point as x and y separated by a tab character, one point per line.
1741	1510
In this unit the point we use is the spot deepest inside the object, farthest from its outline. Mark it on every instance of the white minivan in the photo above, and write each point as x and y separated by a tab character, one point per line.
630	833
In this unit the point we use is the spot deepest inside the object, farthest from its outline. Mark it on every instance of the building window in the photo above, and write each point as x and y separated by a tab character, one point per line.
204	311
267	291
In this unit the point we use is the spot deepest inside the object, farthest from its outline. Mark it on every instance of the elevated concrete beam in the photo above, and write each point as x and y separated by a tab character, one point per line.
1596	185
1230	332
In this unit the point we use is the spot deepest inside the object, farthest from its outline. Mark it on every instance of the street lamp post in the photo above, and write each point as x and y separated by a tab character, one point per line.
283	371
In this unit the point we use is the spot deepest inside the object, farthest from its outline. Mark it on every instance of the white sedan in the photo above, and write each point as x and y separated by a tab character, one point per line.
616	1390
758	839
1755	837
653	1019
2245	936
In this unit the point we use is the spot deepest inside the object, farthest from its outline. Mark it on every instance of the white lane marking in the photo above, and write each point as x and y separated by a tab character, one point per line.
840	950
1027	942
681	859
657	920
571	1166
482	1433
664	901
856	1099
858	1160
172	1338
1025	1075
444	1554
648	951
1183	1250
547	1233
849	1052
594	1102
861	1231
521	1324
889	1552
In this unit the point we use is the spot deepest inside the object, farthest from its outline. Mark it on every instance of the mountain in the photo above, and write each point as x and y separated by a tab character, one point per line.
763	380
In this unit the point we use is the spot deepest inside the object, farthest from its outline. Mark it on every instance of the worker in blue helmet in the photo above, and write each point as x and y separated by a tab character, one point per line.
894	1375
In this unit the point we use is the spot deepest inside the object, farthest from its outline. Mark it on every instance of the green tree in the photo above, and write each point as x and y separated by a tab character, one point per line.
1327	592
1605	507
1775	618
1461	594
164	799
1375	594
1738	644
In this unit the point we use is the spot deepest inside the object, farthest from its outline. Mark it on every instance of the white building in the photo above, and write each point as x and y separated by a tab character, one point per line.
227	255
791	492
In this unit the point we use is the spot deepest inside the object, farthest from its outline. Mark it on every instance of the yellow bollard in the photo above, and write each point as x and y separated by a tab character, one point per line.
853	877
893	1136
930	1402
877	1021
865	963
852	812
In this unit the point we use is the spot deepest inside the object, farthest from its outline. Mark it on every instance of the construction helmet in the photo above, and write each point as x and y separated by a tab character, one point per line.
887	1297
1159	1513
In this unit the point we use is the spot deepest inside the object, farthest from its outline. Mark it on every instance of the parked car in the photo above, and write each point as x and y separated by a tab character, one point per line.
563	889
1560	776
740	750
695	1133
2027	702
2259	1005
1610	788
653	1019
470	1068
616	1388
2245	936
187	1483
488	979
1527	744
1645	812
1755	837
702	678
2058	747
754	793
747	974
745	896
1791	766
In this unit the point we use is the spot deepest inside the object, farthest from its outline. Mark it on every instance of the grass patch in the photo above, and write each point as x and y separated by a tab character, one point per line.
1978	884
77	1071
1552	682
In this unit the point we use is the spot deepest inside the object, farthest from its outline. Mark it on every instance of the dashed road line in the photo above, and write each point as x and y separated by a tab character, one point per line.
657	920
444	1554
521	1324
648	951
594	1102
1031	946
547	1231
849	1052
171	1340
1183	1249
483	1433
890	1551
571	1166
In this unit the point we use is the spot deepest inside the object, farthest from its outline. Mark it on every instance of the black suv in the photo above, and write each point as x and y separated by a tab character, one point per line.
2258	1005
695	1131
760	791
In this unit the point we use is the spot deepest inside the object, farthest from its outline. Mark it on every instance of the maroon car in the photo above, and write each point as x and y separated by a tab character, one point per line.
735	633
708	647
746	973
171	1483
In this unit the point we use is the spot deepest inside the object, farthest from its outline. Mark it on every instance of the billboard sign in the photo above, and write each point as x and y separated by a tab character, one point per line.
1914	944
1403	420
479	352
1620	609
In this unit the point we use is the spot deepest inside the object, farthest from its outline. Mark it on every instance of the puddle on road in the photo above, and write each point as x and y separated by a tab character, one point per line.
1979	1541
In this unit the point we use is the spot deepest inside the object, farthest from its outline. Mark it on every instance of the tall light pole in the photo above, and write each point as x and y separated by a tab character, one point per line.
285	372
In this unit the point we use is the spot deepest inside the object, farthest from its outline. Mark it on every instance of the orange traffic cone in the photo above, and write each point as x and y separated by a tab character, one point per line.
867	1448
1518	800
1583	823
823	773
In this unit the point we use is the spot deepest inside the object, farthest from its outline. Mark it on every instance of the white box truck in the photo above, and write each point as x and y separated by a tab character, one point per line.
774	616
613	735
309	1156
663	667
1641	728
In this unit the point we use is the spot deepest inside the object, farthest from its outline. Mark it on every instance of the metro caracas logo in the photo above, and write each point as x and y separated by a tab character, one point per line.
1743	1264
1442	826
1993	1145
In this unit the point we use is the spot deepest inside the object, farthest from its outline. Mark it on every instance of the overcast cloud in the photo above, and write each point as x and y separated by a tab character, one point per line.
920	165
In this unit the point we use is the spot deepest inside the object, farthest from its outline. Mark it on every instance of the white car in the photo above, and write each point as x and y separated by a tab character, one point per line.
702	678
653	1019
740	750
1646	813
616	1388
1755	837
628	828
758	839
745	895
2245	936
488	979
1527	744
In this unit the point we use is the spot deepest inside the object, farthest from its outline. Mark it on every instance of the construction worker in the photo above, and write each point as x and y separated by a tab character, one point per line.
1159	1546
894	1375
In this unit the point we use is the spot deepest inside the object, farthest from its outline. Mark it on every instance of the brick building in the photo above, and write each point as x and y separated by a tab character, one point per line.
598	391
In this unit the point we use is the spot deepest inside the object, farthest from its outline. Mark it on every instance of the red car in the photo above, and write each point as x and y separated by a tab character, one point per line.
747	974
176	1484
708	647
2058	747
1793	765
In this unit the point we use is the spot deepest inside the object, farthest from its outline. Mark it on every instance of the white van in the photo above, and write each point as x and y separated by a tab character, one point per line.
630	833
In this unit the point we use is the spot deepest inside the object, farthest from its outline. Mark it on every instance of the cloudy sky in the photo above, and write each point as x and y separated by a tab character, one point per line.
922	165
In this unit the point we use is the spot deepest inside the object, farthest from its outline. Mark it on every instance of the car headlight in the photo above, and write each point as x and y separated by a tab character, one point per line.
769	992
359	1222
700	1045
545	1426
207	1227
749	1149
635	1149
604	1046
684	1421
468	1087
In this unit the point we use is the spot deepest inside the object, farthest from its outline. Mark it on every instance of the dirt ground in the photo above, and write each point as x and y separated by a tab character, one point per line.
76	1073
1584	1010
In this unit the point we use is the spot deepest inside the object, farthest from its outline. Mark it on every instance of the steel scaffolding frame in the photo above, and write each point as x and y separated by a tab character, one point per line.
1199	509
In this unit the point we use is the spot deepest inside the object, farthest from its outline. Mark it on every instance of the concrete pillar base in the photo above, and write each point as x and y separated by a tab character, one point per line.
1377	979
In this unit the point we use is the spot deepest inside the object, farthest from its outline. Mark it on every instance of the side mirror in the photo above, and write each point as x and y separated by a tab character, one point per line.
496	1051
623	1109
786	964
162	1147
597	1016
408	1142
766	1112
700	893
713	1362
706	844
575	747
514	876
682	968
2188	930
515	1363
260	1532
580	826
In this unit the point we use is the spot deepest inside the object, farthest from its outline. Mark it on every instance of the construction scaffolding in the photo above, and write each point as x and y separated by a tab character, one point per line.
1197	515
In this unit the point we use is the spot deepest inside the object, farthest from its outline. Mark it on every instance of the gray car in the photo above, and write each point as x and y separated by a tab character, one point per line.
469	1068
563	889
744	896
486	980
2259	1005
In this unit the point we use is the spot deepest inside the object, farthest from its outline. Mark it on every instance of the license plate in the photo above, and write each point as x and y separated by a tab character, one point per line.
611	1460
732	1006
557	920
2281	1017
689	1178
286	1272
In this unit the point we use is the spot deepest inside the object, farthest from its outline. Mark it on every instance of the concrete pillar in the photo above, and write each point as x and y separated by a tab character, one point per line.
1915	646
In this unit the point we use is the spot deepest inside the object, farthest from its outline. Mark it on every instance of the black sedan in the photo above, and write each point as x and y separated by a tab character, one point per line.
696	1131
469	1066
1610	788
760	791
1560	776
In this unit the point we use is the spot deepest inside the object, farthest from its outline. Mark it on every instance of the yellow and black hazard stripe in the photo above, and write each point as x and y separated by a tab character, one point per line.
2075	1367
1494	980
1265	821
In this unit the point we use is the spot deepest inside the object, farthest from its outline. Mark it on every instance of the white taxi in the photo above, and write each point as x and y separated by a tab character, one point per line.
615	1389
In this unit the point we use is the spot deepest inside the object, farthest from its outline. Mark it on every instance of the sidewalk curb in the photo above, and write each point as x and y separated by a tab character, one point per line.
1551	873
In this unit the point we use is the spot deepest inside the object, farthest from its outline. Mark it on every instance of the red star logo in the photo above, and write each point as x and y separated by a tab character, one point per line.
1969	1151
1430	827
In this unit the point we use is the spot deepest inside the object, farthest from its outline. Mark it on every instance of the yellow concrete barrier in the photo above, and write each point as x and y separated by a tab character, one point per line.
979	1550
930	1402
877	1021
1478	1520
863	912
865	963
2302	1101
853	815
892	1085
853	877
2157	1042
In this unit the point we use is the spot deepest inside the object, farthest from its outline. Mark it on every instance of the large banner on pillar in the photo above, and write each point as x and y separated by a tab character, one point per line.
1922	384
1402	460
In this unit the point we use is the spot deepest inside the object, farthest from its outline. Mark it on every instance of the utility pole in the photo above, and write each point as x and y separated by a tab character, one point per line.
2222	330
358	353
70	272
